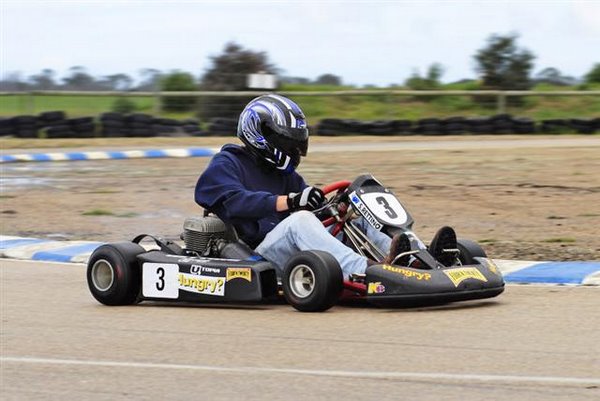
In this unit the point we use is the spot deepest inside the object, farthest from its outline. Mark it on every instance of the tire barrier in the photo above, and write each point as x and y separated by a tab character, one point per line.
498	124
144	125
222	127
55	124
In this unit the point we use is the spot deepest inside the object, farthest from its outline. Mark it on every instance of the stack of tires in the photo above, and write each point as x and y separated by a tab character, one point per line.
222	127
191	126
139	125
458	125
54	124
560	125
145	125
25	126
338	127
6	127
429	126
112	125
165	126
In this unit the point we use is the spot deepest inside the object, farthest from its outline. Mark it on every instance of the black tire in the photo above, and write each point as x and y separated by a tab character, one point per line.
325	281
113	273
469	250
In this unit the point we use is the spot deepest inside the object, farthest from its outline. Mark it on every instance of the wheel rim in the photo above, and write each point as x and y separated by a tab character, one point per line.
302	281
103	275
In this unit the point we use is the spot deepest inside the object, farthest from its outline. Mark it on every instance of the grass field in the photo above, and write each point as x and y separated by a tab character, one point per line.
361	107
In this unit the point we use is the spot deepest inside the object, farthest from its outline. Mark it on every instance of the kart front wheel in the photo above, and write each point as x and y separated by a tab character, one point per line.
469	250
113	274
312	281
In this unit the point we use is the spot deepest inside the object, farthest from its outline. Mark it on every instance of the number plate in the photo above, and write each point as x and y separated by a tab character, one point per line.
385	207
159	280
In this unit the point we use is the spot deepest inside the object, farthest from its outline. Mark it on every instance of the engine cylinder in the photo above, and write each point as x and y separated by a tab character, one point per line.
198	231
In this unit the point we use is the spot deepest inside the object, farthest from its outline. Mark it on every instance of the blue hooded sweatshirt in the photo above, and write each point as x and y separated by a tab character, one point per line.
243	193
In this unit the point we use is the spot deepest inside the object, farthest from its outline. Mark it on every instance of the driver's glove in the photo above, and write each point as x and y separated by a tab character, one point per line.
310	198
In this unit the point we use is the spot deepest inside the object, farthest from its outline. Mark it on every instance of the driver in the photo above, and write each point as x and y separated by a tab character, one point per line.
255	188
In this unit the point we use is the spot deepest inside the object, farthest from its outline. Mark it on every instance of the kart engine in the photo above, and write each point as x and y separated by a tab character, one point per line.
198	231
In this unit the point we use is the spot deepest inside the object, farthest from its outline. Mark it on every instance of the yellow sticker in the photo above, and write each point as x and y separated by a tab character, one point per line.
408	273
375	288
461	274
239	272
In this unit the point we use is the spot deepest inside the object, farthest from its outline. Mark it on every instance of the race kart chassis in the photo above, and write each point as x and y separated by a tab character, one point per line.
126	273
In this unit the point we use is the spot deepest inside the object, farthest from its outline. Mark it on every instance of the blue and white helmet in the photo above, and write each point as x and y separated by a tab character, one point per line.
274	129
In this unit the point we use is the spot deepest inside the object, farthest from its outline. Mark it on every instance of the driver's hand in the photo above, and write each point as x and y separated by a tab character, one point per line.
310	198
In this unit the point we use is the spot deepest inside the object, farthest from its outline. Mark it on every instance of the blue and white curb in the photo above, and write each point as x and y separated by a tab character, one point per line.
46	250
109	155
514	271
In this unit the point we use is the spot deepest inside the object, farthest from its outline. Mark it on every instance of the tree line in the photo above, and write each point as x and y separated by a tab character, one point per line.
500	64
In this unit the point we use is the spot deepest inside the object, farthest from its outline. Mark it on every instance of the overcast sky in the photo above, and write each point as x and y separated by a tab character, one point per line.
364	42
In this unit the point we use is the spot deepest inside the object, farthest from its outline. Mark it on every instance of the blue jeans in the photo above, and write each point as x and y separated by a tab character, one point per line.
302	231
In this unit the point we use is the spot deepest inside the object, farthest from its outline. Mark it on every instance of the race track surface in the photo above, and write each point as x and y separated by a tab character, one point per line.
531	343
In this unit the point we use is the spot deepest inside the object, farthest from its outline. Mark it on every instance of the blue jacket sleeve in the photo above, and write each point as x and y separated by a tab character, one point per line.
220	190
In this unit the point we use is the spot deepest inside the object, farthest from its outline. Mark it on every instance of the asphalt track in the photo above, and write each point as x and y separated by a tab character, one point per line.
531	343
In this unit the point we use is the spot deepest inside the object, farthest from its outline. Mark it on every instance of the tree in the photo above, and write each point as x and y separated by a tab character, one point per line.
502	65
229	69
12	81
118	82
150	79
79	79
553	76
228	72
429	82
44	80
178	81
328	79
593	76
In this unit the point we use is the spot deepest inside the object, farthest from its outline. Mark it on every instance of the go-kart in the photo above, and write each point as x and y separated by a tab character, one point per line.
215	266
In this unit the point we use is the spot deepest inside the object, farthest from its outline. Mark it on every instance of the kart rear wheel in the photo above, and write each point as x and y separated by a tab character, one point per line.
312	281
469	250
113	274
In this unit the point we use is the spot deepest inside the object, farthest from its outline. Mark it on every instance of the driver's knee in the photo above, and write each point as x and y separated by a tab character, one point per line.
303	220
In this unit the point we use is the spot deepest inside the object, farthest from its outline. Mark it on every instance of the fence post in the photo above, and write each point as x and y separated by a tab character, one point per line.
30	103
501	104
157	103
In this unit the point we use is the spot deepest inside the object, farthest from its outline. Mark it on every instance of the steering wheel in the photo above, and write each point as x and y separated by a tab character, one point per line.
340	187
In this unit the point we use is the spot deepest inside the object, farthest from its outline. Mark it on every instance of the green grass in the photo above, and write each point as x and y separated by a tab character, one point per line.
361	107
590	215
98	212
560	240
104	212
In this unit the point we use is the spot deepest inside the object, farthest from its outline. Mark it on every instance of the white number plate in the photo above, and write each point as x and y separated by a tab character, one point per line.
385	207
160	280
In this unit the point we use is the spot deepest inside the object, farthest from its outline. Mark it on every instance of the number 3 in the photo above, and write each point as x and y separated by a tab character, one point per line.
388	210
161	279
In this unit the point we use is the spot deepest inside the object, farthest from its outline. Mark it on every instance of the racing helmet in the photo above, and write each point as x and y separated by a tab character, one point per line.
274	129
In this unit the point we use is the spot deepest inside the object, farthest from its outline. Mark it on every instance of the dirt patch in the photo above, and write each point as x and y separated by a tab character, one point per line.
524	203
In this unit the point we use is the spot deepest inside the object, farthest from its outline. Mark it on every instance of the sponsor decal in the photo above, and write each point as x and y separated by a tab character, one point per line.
364	210
198	269
239	272
408	273
207	285
375	288
461	274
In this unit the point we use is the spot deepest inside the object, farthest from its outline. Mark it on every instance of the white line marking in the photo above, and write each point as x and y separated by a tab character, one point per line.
548	380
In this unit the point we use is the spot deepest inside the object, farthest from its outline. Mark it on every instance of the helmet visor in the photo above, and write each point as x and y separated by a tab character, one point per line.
293	141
